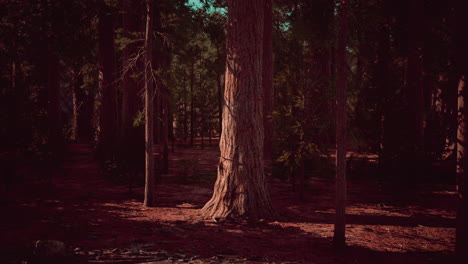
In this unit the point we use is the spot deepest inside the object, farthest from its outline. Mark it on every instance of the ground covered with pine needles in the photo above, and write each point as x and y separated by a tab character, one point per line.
97	220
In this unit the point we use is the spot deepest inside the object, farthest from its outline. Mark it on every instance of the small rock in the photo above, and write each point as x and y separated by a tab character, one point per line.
49	250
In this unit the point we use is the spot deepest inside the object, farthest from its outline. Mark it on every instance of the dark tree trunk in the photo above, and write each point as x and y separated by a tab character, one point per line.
192	110
461	65
131	102
185	112
165	132
267	80
149	200
240	190
108	110
53	106
387	146
341	124
77	81
414	90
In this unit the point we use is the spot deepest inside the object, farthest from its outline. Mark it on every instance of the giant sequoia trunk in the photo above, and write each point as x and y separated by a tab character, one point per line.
240	190
340	207
267	80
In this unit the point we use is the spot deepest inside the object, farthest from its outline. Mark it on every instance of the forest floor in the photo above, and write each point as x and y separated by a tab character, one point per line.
100	222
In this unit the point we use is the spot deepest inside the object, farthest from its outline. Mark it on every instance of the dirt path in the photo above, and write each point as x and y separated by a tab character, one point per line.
101	223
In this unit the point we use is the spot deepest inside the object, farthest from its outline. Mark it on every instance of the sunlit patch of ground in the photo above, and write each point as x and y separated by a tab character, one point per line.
104	224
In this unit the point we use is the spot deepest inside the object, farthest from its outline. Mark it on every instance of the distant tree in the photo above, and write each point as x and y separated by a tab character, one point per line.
149	109
240	190
131	103
107	85
341	126
414	88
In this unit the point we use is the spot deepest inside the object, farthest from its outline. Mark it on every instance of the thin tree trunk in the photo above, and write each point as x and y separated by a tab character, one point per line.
74	119
165	131
149	200
192	111
53	107
202	112
240	190
339	231
185	112
461	64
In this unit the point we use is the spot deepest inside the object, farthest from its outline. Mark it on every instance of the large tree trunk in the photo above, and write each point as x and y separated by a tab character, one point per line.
240	190
149	100
108	109
461	65
220	103
267	80
340	207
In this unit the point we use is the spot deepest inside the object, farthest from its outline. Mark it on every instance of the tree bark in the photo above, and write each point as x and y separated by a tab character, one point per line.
192	111
108	109
74	90
149	200
340	207
220	103
414	85
185	112
267	80
461	65
53	106
240	190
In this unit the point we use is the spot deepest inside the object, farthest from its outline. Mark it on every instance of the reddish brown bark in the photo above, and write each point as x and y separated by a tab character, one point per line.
240	190
267	80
